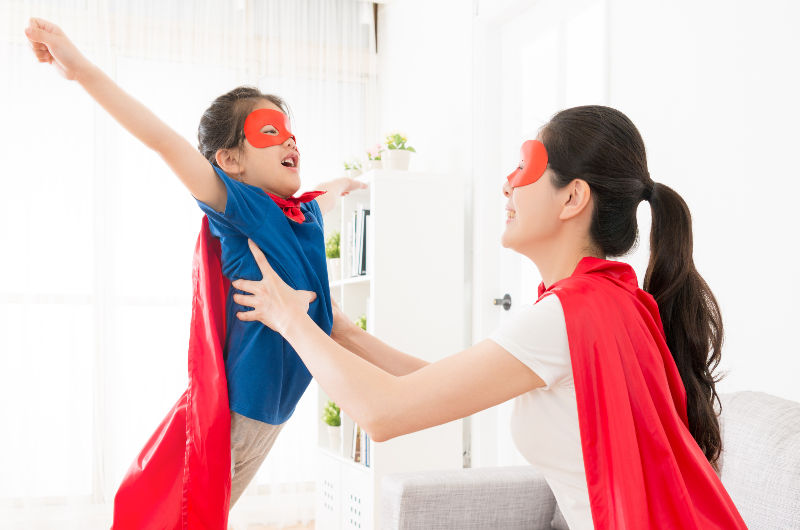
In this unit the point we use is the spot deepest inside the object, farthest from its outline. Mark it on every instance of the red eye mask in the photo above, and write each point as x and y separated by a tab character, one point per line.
533	159
260	118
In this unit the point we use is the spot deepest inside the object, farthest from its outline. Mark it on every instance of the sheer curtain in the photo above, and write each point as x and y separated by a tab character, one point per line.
97	234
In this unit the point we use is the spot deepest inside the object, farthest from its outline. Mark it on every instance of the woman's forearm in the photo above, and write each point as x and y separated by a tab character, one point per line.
336	368
377	352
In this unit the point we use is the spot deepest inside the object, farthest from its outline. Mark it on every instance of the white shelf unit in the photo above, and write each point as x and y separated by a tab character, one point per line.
413	299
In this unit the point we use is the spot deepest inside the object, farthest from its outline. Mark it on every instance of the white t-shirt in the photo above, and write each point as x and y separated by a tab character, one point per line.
544	423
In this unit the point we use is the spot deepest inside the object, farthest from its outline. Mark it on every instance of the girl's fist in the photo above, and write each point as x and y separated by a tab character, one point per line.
51	45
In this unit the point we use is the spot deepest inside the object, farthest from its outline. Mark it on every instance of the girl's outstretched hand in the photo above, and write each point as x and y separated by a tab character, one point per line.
51	45
274	303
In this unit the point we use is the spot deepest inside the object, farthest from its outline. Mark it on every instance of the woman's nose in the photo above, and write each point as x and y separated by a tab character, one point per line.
507	189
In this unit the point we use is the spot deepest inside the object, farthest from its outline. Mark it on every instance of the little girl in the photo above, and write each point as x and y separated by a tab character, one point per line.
243	178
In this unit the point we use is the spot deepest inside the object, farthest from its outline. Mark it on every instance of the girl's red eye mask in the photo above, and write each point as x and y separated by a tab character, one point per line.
532	160
260	118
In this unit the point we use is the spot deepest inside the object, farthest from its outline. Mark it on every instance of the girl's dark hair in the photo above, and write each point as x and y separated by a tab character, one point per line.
222	124
601	146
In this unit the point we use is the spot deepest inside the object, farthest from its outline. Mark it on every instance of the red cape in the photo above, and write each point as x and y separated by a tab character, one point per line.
181	479
643	468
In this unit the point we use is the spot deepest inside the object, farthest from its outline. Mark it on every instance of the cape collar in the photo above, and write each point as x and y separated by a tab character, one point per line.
620	273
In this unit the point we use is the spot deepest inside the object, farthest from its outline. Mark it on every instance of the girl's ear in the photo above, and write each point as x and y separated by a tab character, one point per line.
228	161
577	196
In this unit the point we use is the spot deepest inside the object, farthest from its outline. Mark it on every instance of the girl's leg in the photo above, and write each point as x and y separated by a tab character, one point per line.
251	442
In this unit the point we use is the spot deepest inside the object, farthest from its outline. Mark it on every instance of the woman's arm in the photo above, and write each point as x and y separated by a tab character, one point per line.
336	188
370	348
51	45
455	387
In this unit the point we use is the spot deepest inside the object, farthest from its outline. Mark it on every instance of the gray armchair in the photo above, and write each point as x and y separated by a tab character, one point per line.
760	468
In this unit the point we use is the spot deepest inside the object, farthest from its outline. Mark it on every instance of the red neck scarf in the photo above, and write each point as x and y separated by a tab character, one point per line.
291	205
643	468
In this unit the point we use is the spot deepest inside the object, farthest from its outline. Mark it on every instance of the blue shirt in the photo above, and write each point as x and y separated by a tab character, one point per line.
266	377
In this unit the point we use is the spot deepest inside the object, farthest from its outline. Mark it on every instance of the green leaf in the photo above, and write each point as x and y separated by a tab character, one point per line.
410	149
392	146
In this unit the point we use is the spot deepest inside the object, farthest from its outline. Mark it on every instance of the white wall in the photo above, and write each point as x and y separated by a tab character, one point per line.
425	80
713	87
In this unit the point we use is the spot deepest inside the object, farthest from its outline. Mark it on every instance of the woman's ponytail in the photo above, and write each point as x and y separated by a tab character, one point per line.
689	312
601	146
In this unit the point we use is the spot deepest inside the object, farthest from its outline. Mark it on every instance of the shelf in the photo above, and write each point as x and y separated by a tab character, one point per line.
344	460
348	281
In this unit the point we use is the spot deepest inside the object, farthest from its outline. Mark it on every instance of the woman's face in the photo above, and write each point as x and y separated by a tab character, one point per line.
532	215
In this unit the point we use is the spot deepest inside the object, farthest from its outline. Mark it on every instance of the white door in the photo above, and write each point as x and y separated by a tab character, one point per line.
533	59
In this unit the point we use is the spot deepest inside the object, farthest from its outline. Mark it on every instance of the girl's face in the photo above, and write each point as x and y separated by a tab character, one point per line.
276	168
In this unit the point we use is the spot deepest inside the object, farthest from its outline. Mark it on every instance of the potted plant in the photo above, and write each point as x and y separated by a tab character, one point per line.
352	167
332	253
332	417
374	157
362	322
397	154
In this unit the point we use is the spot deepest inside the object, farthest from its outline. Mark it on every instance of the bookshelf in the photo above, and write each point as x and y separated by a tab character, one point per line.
413	297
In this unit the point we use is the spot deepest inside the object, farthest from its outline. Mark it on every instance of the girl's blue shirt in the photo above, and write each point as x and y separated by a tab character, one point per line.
266	377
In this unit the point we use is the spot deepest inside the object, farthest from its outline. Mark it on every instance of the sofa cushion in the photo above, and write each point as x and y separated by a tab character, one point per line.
760	462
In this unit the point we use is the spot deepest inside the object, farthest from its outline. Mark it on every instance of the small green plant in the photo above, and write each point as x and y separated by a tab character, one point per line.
331	414
332	245
352	163
397	141
362	322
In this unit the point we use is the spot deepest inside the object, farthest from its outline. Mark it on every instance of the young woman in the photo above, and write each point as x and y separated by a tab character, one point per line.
614	408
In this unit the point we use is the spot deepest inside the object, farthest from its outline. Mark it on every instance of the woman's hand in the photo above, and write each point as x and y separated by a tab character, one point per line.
51	45
274	303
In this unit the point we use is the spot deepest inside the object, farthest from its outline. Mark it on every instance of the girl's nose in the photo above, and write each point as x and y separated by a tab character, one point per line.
291	144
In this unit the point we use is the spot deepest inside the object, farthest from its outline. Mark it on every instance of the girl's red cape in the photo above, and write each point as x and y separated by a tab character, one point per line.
643	468
181	479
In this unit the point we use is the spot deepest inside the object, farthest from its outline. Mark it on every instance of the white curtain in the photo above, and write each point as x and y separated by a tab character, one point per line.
97	235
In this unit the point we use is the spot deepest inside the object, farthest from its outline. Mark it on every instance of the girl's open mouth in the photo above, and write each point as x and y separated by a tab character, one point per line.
510	215
290	160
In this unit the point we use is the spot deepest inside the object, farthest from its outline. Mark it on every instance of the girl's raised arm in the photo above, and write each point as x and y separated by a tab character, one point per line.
51	45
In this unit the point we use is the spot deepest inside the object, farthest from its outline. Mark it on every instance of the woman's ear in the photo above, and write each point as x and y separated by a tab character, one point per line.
577	196
228	161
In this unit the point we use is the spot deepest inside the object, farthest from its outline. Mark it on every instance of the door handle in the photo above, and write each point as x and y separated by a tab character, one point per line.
505	302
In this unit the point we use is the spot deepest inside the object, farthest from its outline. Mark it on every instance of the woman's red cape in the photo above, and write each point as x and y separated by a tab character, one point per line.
181	479
643	468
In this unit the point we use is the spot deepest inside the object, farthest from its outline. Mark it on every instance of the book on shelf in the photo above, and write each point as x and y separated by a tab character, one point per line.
366	449
358	241
355	451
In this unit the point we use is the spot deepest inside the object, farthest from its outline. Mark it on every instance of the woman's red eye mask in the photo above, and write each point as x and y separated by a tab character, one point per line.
260	118
532	160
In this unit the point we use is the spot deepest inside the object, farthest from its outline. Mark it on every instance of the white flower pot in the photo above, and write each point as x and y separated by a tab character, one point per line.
352	173
396	159
334	269
333	437
373	164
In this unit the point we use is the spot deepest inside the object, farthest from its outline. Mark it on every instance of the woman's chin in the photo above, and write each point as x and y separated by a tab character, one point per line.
506	240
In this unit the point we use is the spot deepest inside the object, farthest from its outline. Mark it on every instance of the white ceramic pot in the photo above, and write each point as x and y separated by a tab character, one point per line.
334	269
352	173
373	164
396	159
333	437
